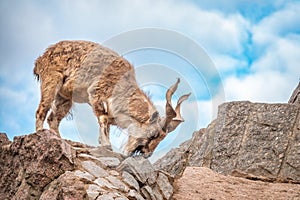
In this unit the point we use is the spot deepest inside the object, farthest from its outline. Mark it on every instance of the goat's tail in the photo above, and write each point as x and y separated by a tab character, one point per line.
36	70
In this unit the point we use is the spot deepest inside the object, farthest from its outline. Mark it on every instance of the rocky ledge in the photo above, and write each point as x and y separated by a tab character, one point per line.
202	183
44	166
255	145
247	139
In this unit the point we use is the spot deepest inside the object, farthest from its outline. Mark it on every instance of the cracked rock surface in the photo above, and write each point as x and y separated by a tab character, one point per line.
247	139
250	151
44	166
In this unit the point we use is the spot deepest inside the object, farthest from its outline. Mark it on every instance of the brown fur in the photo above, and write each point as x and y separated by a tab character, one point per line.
86	72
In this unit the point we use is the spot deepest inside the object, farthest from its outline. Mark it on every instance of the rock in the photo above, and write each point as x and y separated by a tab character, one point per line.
104	152
157	193
109	196
202	156
103	183
257	139
87	156
4	140
94	169
44	166
295	98
202	183
121	198
147	193
111	162
140	168
176	160
164	185
261	140
31	162
132	194
24	190
67	186
130	180
114	172
118	183
84	175
94	191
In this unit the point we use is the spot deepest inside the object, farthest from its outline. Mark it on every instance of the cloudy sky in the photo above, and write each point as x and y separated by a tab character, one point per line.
251	48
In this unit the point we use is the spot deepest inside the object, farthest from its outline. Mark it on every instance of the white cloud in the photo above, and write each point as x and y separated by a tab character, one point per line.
273	76
270	86
227	63
275	71
31	27
279	24
97	19
282	55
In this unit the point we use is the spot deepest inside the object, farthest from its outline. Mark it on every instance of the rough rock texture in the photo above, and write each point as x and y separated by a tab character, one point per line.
295	98
31	162
176	160
202	183
44	166
255	138
261	140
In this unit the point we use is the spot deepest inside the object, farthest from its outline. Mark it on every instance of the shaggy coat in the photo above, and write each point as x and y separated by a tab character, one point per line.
86	72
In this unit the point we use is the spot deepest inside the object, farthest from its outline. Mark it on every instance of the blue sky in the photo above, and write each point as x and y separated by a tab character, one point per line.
254	47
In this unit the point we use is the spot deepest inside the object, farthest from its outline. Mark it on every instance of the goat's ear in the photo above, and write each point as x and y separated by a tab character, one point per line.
154	117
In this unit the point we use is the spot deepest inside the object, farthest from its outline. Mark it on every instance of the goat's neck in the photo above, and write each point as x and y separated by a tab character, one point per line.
130	105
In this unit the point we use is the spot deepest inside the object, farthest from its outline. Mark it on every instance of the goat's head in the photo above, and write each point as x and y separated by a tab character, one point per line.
143	139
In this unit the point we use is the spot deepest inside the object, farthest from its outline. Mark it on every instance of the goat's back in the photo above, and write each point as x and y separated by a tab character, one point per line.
66	57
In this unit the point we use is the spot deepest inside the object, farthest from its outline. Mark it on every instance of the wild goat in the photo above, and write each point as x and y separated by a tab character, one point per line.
86	72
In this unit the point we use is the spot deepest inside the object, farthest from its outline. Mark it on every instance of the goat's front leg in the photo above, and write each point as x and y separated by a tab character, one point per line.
103	121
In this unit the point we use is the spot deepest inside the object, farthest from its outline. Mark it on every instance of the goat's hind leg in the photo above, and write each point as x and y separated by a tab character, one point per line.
60	109
48	92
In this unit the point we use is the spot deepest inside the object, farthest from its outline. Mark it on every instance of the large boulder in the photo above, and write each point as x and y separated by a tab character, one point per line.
256	139
44	166
31	162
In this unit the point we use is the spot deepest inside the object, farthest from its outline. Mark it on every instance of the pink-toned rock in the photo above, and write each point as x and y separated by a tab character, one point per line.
199	183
